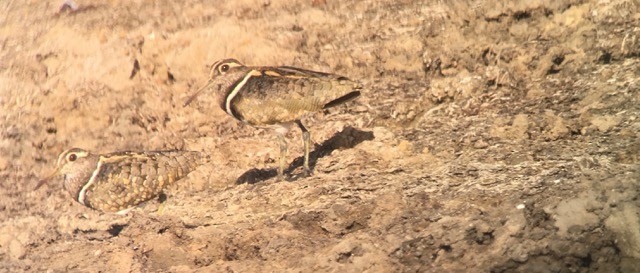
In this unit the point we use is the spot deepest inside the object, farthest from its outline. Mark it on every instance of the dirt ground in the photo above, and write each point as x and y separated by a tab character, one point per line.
490	137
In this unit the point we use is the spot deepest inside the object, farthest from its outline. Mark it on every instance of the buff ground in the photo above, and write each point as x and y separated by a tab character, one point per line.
491	136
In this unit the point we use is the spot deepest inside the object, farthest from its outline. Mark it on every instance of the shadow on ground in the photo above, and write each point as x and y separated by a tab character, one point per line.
346	139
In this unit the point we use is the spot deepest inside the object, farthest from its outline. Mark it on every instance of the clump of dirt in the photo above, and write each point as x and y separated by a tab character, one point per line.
491	136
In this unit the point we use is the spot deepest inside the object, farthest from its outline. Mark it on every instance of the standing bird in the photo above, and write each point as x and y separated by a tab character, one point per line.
117	182
277	97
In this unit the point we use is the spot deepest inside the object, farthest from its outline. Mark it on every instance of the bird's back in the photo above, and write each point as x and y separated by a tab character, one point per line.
284	94
127	179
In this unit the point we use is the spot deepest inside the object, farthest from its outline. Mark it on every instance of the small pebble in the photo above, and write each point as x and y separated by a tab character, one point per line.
16	249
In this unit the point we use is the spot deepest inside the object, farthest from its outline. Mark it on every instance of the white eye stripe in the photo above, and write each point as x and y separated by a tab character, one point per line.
231	65
78	155
217	66
64	156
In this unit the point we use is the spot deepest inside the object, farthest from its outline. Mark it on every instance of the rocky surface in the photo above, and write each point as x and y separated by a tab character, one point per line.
491	137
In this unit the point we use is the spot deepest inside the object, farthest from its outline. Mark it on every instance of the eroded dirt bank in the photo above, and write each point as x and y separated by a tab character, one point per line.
491	137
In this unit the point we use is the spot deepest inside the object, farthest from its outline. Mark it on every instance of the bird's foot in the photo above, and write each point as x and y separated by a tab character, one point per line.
306	172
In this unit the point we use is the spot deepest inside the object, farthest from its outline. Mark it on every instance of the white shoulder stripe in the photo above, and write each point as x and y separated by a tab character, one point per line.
83	192
237	89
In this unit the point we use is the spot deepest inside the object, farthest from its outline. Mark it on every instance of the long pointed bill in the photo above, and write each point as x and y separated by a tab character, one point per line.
193	97
45	180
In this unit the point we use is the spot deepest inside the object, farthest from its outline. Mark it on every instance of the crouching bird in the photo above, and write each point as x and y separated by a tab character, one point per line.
276	97
118	182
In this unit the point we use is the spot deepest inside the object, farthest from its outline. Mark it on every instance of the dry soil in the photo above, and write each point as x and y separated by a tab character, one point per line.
492	136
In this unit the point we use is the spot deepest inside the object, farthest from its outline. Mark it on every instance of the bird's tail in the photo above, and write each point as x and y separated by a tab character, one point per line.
345	98
347	90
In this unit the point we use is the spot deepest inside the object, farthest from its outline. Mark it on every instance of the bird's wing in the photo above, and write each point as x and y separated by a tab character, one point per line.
281	94
126	179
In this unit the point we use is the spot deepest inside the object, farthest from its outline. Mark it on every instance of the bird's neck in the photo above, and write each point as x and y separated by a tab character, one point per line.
74	182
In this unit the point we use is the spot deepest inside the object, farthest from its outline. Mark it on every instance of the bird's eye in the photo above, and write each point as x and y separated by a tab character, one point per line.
224	68
72	157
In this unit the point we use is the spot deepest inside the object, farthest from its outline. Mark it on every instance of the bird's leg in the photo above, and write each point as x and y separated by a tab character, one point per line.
306	139
283	156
